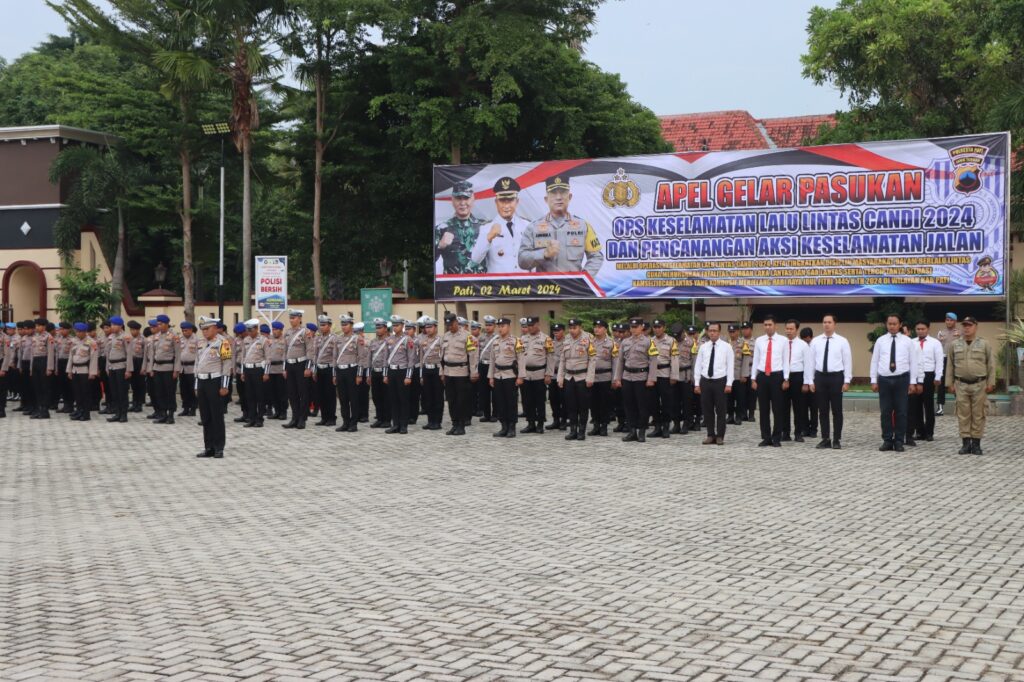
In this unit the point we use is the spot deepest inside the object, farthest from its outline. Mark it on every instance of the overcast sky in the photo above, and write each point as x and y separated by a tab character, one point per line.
676	56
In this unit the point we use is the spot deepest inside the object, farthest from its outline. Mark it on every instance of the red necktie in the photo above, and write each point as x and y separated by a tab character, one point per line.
768	360
922	344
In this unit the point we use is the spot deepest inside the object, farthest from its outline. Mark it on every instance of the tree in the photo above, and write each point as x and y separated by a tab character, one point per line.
83	297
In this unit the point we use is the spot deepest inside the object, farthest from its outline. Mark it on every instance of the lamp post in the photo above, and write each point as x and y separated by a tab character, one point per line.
219	130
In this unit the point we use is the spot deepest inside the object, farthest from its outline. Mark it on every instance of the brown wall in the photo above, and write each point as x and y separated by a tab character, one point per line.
24	173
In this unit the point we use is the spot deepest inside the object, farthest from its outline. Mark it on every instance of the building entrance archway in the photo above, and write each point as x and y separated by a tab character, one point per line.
24	290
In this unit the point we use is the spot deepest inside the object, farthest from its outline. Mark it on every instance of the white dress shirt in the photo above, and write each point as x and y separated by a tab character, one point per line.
906	358
780	355
502	254
725	360
930	354
799	355
840	357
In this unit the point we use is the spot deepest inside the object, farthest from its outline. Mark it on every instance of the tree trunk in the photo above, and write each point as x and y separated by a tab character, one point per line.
246	226
117	276
321	105
187	271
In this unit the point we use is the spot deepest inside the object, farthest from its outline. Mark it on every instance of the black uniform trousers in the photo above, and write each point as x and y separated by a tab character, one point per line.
828	393
326	395
712	399
921	419
101	387
433	395
398	397
41	386
27	391
414	396
379	391
577	400
363	391
506	407
894	401
276	394
485	398
617	406
62	382
298	390
117	400
187	389
254	390
684	402
600	398
80	386
737	400
163	392
557	399
240	386
533	400
771	403
347	397
138	382
796	406
941	399
636	400
211	412
663	406
459	392
752	399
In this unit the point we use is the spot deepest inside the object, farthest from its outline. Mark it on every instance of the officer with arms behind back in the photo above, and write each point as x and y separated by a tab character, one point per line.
213	374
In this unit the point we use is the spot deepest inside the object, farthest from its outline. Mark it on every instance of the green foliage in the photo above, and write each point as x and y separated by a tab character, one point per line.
620	310
82	297
882	308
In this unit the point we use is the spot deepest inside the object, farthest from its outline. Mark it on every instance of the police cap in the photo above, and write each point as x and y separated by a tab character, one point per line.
556	182
557	327
600	323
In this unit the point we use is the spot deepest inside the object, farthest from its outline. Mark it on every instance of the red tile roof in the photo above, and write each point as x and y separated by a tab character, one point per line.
726	130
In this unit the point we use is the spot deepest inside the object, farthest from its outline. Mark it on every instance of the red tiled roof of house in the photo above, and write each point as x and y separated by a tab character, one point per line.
795	131
726	130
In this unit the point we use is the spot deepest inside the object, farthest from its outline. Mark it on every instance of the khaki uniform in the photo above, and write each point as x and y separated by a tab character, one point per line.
214	366
460	361
504	354
637	360
575	237
973	367
578	362
84	358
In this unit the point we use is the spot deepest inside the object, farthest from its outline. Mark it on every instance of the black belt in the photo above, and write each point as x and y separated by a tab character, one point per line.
574	372
79	364
664	366
504	368
966	381
277	364
183	364
635	370
534	368
831	374
456	364
602	371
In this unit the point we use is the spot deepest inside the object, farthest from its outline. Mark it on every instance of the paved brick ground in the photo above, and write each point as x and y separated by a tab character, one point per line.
318	555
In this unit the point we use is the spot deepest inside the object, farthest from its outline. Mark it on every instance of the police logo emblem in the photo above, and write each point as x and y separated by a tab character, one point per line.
621	191
967	161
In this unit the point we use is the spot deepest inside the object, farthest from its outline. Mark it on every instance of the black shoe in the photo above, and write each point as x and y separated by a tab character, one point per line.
160	420
630	436
641	435
352	428
595	429
239	420
288	425
603	431
460	430
219	454
552	426
898	446
540	427
825	444
929	439
136	408
393	429
170	419
976	446
404	429
765	443
205	453
530	428
619	428
572	433
502	433
452	430
966	447
887	446
799	439
183	413
776	444
248	425
155	415
511	431
436	426
426	427
582	435
664	430
300	425
327	422
378	424
910	443
836	445
342	428
786	438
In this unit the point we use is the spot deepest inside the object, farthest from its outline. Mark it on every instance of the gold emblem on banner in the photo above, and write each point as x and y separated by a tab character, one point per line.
621	191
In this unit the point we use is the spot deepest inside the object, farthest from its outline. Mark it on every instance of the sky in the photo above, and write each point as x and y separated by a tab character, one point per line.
676	56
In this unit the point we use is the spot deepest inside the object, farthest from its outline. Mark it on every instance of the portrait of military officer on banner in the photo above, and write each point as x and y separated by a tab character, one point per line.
455	238
497	248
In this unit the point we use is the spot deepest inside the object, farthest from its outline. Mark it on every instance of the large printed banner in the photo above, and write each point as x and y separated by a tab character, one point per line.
903	218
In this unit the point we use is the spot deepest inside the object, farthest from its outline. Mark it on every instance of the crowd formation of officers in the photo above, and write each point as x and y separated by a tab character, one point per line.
650	381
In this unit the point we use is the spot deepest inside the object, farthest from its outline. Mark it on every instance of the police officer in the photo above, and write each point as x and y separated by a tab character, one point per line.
430	374
101	387
118	373
620	330
165	366
82	367
213	374
484	397
459	363
276	395
238	345
346	374
187	385
299	346
973	368
686	416
324	352
7	351
363	387
666	377
559	241
800	358
747	348
737	397
537	364
635	369
946	336
138	377
253	372
401	363
576	372
455	238
605	352
555	397
44	359
377	370
61	379
502	375
26	389
415	333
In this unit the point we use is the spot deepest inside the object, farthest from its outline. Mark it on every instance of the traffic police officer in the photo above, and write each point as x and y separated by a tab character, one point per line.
635	369
346	374
400	362
213	374
118	372
502	375
555	396
538	363
325	350
43	356
165	365
276	395
253	372
665	379
605	352
430	374
299	345
187	385
576	372
459	363
484	402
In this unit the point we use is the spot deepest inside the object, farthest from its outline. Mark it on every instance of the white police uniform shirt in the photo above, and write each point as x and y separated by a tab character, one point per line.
840	357
724	361
501	254
779	355
906	358
930	356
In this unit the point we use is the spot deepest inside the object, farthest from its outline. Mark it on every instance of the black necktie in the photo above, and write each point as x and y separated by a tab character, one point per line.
711	363
511	232
892	355
824	363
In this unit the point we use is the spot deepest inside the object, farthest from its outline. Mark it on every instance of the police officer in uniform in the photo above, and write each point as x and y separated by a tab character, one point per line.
537	365
82	367
686	416
666	377
946	337
44	361
973	368
576	372
62	380
118	372
555	396
346	374
400	362
736	400
299	346
276	394
363	387
459	363
238	346
187	385
620	330
377	370
214	366
138	377
485	399
6	360
324	352
253	372
502	375
605	352
165	366
747	338
430	374
635	369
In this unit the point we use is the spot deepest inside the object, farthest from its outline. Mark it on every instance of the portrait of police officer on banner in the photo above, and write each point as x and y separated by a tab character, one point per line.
497	248
455	238
560	241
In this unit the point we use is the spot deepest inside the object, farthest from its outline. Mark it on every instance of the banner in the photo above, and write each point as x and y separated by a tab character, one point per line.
271	284
902	218
374	303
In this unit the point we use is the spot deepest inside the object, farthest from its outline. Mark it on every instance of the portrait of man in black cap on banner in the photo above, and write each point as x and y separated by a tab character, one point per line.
497	248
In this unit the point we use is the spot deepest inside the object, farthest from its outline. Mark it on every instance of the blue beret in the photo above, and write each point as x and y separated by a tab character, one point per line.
277	325
152	323
119	321
311	326
81	327
187	325
163	318
239	328
264	329
11	325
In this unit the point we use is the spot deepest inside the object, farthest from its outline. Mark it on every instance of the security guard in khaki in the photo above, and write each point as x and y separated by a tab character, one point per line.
973	368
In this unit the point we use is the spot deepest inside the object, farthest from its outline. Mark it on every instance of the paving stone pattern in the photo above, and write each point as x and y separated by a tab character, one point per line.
318	555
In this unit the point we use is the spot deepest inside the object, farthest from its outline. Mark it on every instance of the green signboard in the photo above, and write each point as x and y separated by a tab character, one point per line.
375	303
